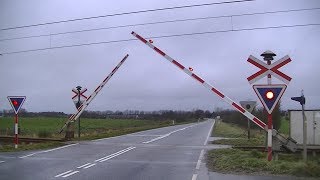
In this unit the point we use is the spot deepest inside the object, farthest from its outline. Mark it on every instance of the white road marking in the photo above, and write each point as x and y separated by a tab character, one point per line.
155	139
166	135
89	166
201	154
198	164
107	138
72	173
116	154
60	147
49	150
2	161
209	133
112	154
28	155
83	165
142	135
194	176
63	173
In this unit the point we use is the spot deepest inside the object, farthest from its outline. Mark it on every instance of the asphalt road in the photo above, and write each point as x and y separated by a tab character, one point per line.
170	153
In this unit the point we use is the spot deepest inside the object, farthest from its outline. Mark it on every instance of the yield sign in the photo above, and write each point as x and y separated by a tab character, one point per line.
16	102
271	69
269	95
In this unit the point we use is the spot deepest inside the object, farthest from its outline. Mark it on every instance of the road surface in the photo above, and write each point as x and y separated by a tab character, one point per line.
170	153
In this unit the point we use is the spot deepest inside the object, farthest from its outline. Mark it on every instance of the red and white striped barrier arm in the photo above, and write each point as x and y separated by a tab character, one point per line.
205	84
84	105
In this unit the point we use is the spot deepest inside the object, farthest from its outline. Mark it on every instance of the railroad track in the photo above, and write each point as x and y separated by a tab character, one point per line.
28	140
311	148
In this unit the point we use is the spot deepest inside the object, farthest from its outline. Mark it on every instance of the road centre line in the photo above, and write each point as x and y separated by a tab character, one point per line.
110	157
63	173
72	173
89	166
83	165
112	154
49	150
168	134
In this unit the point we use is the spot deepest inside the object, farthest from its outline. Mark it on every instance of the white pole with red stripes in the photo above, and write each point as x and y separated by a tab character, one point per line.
236	106
16	131
84	105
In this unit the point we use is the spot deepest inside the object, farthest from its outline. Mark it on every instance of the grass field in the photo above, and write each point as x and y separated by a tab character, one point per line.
252	161
48	127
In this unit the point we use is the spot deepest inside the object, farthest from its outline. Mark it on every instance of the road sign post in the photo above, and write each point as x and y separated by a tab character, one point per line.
269	94
78	99
302	101
249	106
16	103
85	104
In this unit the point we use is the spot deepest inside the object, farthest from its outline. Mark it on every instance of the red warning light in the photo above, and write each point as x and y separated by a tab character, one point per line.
269	95
15	103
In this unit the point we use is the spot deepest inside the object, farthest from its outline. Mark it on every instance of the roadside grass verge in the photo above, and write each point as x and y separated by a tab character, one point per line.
238	161
222	129
254	162
237	136
31	146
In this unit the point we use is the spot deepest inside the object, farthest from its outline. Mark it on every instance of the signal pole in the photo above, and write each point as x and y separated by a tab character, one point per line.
78	105
302	101
268	56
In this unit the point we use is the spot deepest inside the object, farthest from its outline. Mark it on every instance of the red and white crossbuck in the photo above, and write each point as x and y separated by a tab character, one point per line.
266	69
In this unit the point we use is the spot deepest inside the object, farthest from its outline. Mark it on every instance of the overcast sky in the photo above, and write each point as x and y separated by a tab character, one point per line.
146	81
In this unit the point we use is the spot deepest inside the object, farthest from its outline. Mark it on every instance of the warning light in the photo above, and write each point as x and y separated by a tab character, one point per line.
190	68
15	103
269	95
150	41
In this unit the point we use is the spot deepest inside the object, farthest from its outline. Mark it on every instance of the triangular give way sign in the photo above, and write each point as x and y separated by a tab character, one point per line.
16	102
269	95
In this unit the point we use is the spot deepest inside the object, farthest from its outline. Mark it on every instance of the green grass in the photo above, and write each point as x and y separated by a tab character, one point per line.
239	161
47	127
30	127
253	161
222	129
241	142
284	128
31	146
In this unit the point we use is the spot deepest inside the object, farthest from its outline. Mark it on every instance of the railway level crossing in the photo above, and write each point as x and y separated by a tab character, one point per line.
287	143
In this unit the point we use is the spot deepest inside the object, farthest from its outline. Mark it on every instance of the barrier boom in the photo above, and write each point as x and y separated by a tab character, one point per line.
236	106
85	104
